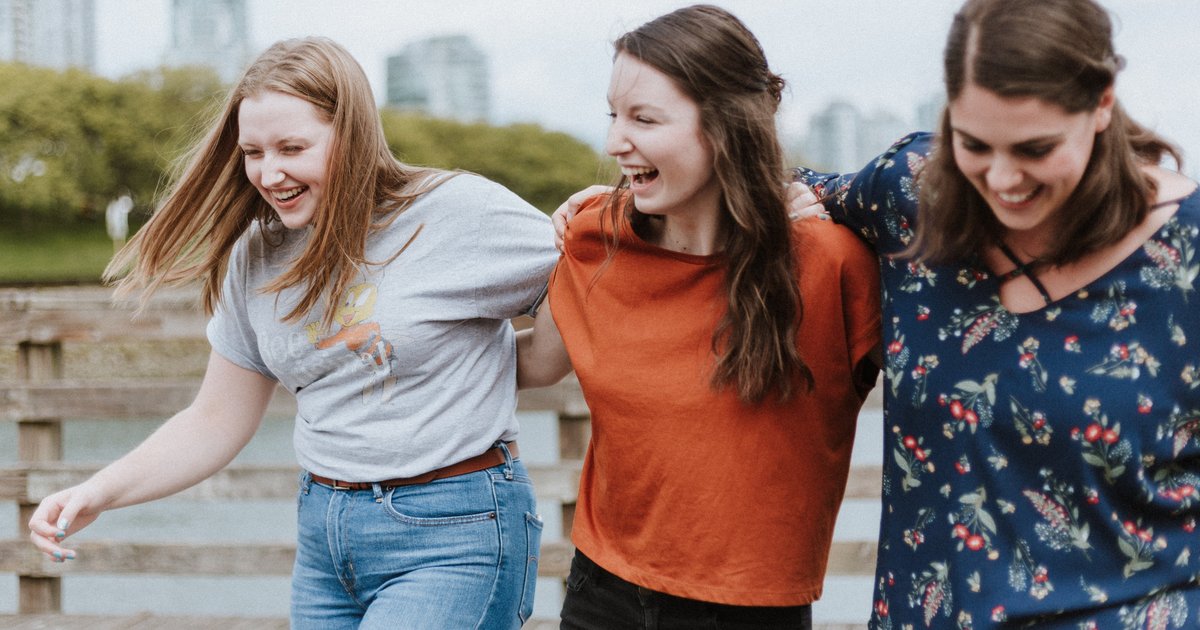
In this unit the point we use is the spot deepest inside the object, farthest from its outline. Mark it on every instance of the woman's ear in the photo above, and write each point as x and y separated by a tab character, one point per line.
1104	110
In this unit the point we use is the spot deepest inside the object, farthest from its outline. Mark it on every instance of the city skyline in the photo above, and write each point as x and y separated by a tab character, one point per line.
550	59
54	33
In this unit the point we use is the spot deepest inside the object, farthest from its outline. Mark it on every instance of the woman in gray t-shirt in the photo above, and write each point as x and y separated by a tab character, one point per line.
376	293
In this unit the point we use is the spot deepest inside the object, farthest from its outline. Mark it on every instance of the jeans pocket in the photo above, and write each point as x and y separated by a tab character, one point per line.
452	501
533	550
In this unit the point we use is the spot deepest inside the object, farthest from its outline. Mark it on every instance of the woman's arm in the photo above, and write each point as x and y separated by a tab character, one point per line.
878	203
541	356
191	446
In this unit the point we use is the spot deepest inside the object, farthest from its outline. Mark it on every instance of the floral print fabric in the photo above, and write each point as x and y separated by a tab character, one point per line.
1040	469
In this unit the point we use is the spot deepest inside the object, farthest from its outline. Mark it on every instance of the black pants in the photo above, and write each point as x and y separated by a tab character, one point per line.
599	600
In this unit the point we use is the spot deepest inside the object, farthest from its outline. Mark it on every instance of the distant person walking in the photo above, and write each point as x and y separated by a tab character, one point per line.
376	293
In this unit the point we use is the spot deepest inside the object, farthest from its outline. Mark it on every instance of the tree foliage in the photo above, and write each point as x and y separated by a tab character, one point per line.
543	167
70	142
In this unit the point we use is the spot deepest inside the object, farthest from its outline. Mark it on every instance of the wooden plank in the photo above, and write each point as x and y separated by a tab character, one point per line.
864	482
100	556
241	482
141	621
117	400
852	558
39	440
88	399
89	314
563	397
39	594
855	558
574	433
33	483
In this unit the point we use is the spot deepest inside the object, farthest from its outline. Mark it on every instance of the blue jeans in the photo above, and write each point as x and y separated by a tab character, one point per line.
598	600
457	552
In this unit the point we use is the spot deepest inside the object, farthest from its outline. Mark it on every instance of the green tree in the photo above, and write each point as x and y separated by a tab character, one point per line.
543	167
71	141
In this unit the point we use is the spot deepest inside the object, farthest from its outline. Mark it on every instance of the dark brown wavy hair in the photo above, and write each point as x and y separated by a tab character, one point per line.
719	63
1061	52
212	202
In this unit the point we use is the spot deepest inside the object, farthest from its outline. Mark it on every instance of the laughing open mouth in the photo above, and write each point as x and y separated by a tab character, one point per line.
640	176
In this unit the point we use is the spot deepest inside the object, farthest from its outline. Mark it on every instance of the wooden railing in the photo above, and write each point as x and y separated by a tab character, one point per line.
71	354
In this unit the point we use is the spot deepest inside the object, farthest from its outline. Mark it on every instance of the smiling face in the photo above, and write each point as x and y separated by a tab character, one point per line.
657	139
285	141
1023	155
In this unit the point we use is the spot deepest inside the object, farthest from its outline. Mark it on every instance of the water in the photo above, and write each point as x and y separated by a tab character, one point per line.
846	599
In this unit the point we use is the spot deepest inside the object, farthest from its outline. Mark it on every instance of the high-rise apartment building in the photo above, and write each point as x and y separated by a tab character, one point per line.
842	139
52	33
446	77
210	33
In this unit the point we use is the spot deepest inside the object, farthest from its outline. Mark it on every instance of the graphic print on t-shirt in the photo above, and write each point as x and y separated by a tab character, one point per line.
361	337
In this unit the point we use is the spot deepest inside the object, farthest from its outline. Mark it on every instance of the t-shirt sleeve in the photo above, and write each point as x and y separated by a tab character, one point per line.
879	203
229	331
514	245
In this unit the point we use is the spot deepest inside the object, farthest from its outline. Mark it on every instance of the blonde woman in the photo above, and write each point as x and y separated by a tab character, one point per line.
377	294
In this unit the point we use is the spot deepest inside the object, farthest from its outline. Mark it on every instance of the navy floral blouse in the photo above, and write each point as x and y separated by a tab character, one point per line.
1040	469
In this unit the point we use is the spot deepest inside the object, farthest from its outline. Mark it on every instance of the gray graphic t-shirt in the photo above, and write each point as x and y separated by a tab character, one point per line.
419	369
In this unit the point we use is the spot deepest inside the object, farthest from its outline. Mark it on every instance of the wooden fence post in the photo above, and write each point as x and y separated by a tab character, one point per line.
574	432
38	440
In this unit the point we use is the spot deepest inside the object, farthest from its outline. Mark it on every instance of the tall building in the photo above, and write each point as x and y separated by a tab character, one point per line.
832	140
929	112
842	139
210	33
52	33
446	77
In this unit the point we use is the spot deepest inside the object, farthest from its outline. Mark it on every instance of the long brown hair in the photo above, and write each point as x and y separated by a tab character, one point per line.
719	63
213	203
1061	52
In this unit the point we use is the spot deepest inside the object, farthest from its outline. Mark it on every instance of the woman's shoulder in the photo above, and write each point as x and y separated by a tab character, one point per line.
460	196
817	241
1173	186
441	185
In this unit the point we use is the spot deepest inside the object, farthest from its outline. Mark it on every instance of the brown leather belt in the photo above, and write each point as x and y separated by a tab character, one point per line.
492	457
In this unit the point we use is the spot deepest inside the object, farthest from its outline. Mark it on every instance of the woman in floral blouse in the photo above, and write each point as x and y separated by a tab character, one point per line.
1042	334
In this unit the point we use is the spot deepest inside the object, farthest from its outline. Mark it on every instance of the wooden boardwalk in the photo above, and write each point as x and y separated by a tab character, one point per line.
70	354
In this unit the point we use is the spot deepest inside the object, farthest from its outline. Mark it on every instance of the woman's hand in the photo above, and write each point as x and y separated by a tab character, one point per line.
62	514
802	203
191	446
564	213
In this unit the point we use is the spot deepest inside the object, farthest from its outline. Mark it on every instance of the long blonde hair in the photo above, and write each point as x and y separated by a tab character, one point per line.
213	203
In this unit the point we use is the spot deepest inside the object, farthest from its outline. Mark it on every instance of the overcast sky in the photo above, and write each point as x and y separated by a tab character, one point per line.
550	58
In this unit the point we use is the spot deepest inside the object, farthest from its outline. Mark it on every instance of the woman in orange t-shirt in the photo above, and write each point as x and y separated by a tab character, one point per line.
723	404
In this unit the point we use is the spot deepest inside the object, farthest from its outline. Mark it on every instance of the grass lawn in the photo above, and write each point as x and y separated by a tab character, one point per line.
53	253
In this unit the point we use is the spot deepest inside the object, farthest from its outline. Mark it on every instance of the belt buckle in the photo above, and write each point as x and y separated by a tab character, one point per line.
337	485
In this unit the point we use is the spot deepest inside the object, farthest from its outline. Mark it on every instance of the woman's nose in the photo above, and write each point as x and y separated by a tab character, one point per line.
271	174
616	143
1003	174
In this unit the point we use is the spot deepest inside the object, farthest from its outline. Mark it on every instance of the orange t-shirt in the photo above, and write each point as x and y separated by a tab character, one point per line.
687	490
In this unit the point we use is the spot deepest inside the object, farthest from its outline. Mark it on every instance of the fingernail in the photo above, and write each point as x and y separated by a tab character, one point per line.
60	535
58	555
62	523
823	217
70	555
